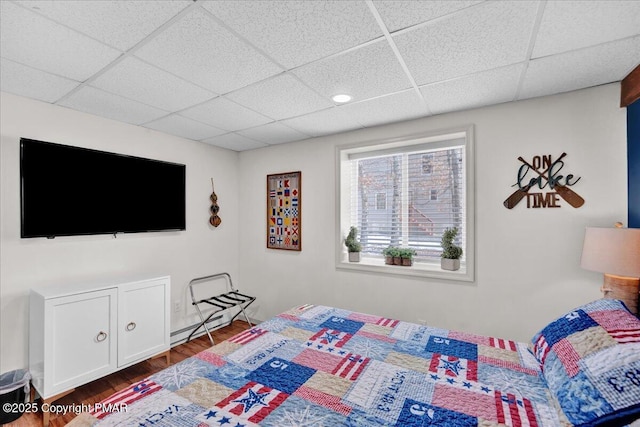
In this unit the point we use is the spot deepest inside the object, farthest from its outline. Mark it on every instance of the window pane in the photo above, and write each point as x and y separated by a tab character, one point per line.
396	203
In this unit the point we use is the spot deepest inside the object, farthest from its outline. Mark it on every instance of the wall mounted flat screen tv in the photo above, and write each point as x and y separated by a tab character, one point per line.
67	191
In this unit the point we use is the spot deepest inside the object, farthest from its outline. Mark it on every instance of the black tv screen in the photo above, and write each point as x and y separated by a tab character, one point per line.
68	191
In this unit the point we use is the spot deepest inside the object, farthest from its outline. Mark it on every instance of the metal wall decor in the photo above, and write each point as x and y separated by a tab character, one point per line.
544	184
214	220
284	211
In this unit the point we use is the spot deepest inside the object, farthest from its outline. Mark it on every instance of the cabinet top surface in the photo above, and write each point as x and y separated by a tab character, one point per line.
79	286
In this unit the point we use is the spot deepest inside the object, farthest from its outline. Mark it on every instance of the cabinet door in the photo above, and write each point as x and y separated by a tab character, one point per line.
80	344
143	320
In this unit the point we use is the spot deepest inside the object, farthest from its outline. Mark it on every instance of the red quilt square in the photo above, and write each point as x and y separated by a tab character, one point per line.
324	399
465	401
568	356
212	358
318	360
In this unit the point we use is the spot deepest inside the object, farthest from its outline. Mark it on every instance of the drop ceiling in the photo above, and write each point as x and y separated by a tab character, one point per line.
248	74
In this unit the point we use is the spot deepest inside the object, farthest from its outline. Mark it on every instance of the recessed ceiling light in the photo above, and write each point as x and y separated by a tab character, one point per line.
341	98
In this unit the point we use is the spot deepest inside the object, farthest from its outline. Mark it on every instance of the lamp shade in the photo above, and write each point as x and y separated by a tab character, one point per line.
612	251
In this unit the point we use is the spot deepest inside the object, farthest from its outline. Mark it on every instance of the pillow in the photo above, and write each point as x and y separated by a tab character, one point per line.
590	360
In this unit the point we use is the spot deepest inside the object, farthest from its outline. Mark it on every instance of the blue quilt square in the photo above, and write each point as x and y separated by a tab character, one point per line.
229	375
360	418
573	322
418	414
342	324
582	402
282	375
451	347
296	411
620	386
413	349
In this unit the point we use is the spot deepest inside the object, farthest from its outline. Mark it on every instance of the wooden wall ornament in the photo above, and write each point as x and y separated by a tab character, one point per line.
544	173
214	220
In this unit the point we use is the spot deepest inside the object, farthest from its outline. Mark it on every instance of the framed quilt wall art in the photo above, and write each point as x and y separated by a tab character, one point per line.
284	211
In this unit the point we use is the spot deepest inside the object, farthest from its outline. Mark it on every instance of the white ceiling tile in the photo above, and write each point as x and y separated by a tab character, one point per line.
120	24
569	25
273	133
398	107
225	114
399	14
142	82
298	32
184	127
325	122
363	73
477	90
104	104
280	97
20	80
234	142
199	50
32	40
487	36
579	69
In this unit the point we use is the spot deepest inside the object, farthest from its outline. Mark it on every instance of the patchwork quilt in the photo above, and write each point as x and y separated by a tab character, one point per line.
317	366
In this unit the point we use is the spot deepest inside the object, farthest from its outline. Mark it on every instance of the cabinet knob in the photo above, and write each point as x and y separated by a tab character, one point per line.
101	336
130	326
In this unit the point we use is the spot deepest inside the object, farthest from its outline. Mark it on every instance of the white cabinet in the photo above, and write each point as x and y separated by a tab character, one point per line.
80	333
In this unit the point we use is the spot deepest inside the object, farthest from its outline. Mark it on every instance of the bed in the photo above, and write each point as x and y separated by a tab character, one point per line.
319	366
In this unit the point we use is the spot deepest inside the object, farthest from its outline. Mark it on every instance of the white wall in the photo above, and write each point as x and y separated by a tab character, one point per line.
527	259
27	263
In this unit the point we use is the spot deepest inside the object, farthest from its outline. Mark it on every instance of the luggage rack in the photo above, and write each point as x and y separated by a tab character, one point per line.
221	302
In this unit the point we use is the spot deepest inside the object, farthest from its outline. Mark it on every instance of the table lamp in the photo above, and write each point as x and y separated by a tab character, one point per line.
616	253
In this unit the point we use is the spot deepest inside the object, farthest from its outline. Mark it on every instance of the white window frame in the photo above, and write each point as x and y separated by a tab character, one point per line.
344	181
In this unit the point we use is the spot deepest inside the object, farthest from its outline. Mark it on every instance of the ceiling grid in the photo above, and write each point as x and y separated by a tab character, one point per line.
248	74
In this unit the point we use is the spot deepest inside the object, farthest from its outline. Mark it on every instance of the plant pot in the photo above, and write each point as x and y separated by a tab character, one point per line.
407	262
449	264
354	256
397	260
388	260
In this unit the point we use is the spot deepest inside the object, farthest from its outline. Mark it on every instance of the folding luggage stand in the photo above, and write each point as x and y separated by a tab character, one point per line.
221	302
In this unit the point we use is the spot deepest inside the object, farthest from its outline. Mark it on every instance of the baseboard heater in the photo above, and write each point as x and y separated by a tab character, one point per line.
180	336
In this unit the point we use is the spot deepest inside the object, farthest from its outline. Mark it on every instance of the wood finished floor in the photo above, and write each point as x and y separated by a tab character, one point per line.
102	388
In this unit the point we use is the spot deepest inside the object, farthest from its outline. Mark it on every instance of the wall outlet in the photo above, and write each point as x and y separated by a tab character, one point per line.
176	306
422	321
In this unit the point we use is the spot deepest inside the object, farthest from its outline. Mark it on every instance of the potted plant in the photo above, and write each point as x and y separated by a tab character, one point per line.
353	246
407	254
390	253
396	259
450	252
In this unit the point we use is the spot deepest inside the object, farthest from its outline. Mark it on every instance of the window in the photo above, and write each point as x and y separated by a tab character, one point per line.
406	193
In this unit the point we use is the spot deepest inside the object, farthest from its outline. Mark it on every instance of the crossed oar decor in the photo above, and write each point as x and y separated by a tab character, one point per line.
551	175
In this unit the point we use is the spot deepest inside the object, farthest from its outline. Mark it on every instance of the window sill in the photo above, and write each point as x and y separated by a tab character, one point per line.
422	269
